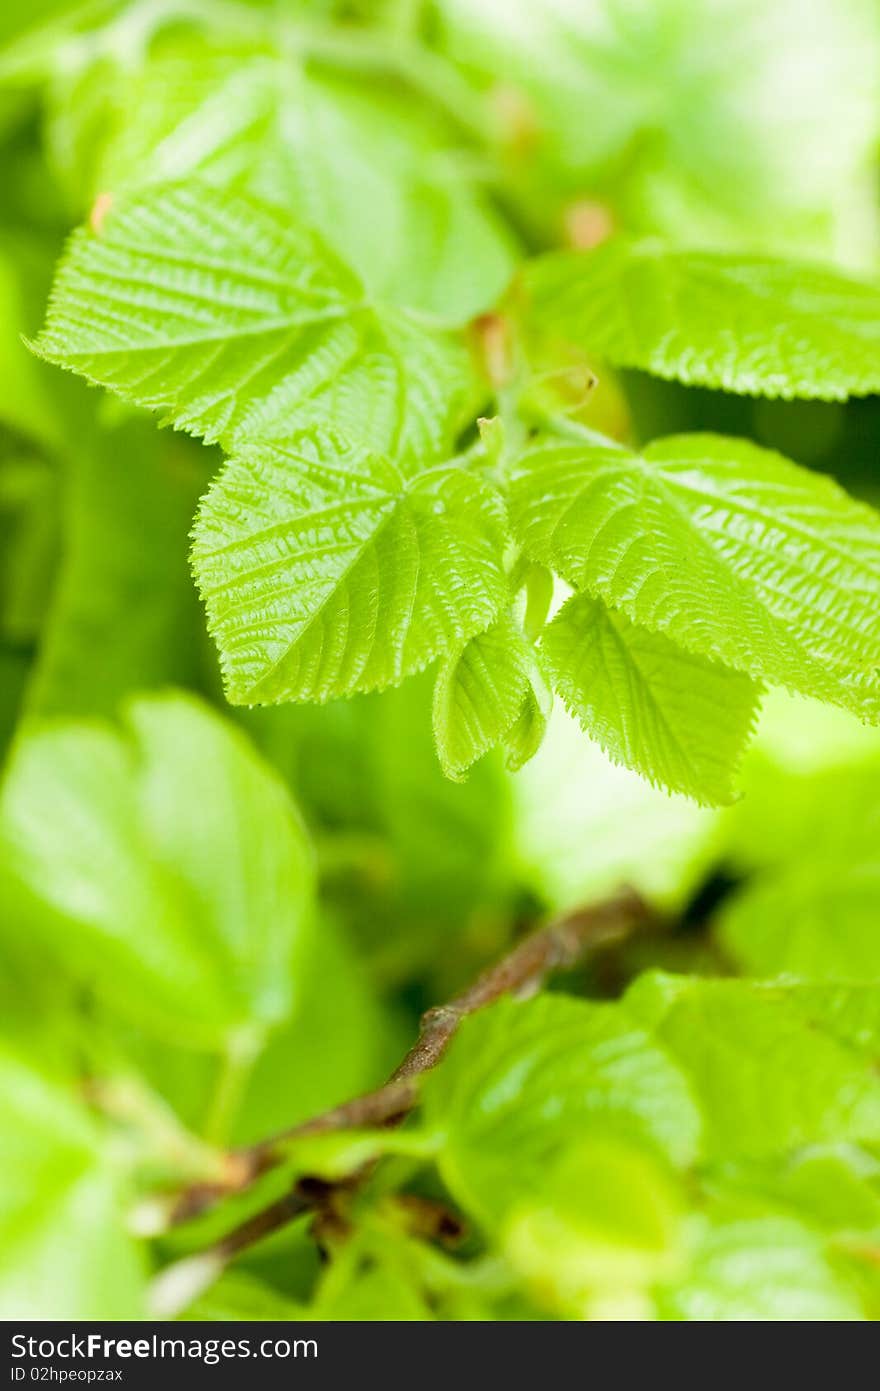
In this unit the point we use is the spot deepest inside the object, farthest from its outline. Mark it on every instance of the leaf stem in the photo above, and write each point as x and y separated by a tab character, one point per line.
235	1069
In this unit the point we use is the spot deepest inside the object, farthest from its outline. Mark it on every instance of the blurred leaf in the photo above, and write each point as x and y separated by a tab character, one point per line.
418	862
831	1191
767	1071
124	589
62	1246
605	1224
28	541
327	146
372	1292
238	1297
26	406
772	1269
817	919
164	866
693	116
811	794
14	672
583	827
339	1042
522	1081
17	24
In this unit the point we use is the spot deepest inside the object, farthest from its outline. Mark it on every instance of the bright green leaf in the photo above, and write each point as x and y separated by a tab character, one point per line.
325	572
768	1076
522	1080
772	1269
691	117
729	550
489	692
816	920
63	1250
742	323
584	827
330	147
604	1224
237	1297
124	589
678	719
238	323
165	866
831	1190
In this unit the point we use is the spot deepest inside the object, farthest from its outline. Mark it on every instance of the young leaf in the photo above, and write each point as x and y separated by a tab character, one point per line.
489	692
63	1247
729	550
325	572
676	718
239	323
164	866
743	323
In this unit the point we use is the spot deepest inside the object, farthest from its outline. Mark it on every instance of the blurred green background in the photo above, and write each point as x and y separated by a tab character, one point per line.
216	922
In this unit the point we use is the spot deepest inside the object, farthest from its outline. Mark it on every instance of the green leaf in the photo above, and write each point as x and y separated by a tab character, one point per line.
239	323
489	692
164	866
63	1250
338	1042
742	323
331	147
849	1012
769	1074
374	1280
240	1297
605	1224
830	1189
677	719
25	404
729	550
521	1081
811	788
124	588
28	543
425	862
816	919
766	1269
326	572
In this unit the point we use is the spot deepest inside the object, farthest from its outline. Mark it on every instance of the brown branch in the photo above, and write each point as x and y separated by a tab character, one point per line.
558	945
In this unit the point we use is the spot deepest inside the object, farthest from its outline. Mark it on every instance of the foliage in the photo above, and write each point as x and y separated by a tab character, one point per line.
510	352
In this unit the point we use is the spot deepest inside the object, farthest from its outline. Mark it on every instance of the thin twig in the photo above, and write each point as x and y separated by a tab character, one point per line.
558	945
